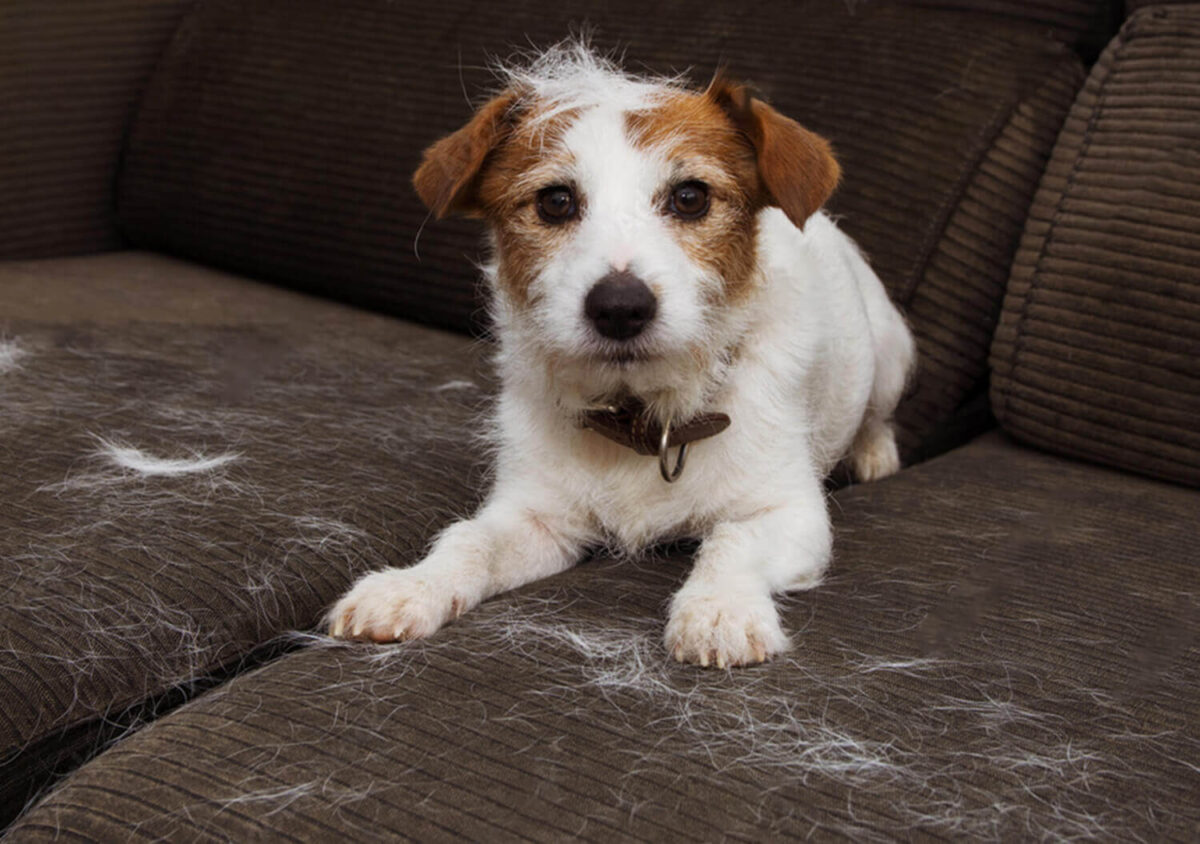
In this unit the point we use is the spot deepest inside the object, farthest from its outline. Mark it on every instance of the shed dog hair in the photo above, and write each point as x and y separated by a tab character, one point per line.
659	248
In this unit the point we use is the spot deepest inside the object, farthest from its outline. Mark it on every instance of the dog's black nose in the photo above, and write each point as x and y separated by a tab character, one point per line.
620	305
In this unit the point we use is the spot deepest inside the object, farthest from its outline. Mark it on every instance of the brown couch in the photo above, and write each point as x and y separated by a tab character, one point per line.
209	254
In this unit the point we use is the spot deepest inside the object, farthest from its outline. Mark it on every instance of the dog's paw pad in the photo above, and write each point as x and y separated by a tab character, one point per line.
392	606
723	631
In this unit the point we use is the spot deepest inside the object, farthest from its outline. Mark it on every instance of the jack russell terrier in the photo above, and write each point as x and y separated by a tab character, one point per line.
664	286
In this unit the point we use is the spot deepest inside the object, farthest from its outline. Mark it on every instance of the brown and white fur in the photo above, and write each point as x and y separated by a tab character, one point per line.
764	311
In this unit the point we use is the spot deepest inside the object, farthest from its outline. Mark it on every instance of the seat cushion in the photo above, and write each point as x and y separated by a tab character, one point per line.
1098	351
278	139
1006	649
193	464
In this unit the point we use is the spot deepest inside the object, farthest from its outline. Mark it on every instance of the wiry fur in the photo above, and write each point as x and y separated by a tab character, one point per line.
766	311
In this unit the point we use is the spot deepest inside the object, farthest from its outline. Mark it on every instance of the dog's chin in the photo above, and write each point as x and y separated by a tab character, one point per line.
669	382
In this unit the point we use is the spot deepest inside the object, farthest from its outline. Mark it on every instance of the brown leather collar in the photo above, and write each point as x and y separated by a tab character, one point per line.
630	425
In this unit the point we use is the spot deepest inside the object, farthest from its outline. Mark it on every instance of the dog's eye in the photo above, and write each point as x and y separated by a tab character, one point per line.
556	204
689	200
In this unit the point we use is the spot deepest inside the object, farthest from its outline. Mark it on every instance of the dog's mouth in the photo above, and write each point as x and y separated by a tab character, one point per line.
621	358
623	354
627	358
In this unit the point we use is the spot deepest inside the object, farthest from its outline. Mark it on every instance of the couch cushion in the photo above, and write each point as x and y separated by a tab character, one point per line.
70	75
278	139
1006	650
314	438
1072	20
1098	351
1132	6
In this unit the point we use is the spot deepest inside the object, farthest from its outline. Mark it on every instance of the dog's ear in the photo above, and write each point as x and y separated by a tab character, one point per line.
795	166
448	179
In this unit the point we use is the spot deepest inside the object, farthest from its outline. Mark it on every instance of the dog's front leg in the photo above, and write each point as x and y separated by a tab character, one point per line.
508	543
725	613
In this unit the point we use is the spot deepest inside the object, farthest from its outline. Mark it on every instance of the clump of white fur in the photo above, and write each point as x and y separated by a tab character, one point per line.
11	353
147	465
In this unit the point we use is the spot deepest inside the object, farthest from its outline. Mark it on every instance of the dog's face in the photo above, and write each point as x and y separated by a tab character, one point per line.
625	227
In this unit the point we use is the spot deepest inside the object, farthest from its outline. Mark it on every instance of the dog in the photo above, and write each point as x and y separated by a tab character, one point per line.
664	285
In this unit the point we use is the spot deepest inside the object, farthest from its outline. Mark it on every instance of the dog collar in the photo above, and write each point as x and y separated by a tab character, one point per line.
629	425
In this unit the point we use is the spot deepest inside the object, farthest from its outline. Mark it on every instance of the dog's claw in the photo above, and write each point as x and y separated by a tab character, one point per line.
336	629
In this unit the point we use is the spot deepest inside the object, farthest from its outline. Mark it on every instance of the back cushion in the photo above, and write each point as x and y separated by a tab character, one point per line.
1132	6
279	136
1072	20
1098	351
71	74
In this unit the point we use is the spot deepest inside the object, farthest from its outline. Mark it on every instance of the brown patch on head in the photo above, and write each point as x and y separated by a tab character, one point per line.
695	135
751	156
493	167
796	167
529	159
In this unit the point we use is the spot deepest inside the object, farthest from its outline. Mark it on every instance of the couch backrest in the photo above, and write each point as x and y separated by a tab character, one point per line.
1098	351
1072	20
278	138
71	72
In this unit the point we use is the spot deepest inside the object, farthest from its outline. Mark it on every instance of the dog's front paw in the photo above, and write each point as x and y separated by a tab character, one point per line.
874	455
394	605
724	628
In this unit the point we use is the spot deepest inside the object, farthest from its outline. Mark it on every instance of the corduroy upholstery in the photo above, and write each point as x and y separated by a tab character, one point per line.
1007	647
70	75
1132	6
278	138
351	442
991	674
1098	352
1071	20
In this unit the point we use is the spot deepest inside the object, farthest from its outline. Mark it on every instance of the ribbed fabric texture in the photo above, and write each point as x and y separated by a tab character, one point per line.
1071	19
1132	6
1098	350
337	452
975	668
278	139
70	75
953	310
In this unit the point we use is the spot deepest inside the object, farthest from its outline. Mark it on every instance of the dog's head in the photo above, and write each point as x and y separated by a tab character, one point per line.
624	216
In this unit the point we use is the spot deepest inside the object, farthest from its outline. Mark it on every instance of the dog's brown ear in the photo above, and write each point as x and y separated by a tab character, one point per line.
796	167
448	179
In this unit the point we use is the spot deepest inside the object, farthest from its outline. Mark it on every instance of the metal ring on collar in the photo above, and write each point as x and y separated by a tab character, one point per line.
668	474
